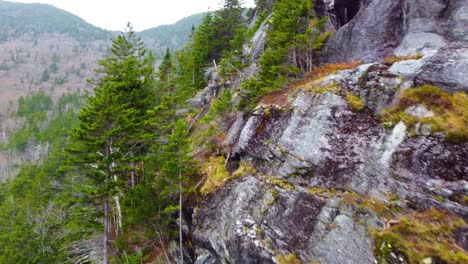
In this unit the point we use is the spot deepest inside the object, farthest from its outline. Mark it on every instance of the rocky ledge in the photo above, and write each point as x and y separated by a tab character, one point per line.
349	167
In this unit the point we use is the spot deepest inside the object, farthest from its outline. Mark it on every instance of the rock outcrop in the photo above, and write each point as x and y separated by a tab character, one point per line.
433	28
327	174
319	143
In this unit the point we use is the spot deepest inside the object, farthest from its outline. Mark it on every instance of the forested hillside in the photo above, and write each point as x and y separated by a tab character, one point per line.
252	143
118	168
48	49
173	36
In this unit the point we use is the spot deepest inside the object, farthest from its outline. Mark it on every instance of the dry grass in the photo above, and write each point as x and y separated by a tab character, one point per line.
450	111
355	102
421	236
279	98
393	58
333	68
319	72
216	174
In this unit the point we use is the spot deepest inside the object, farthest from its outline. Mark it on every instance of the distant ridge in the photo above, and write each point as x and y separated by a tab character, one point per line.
17	19
173	36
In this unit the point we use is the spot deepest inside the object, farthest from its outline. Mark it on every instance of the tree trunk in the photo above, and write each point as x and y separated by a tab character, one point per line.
105	237
180	217
119	212
116	197
132	175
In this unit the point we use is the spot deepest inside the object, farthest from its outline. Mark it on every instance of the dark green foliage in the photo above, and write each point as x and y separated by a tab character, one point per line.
39	102
226	24
165	69
220	35
177	165
222	106
36	211
33	110
53	68
294	41
110	144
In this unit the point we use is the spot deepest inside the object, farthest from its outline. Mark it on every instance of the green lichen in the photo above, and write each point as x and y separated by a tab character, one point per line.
275	197
259	232
280	183
313	87
392	59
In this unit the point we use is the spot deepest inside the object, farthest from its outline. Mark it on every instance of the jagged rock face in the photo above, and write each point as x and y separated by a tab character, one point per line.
317	141
251	220
404	27
371	34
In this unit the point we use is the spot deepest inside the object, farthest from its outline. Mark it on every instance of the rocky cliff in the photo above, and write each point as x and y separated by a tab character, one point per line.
366	163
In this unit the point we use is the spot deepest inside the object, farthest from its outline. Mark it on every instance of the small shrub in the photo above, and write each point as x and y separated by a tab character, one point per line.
355	102
221	106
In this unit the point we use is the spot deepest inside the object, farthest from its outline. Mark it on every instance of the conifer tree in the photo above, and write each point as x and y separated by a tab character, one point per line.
165	68
177	165
110	138
227	21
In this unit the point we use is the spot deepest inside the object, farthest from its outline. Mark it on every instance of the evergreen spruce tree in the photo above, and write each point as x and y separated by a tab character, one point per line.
110	138
165	68
295	39
177	165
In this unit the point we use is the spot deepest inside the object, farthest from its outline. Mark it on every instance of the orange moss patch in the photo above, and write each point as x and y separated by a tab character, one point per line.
320	72
279	98
333	68
393	58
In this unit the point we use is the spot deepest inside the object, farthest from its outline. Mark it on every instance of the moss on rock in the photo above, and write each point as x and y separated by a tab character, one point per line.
450	111
420	237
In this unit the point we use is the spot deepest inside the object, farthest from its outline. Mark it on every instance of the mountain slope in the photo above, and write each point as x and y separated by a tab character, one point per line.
49	49
17	19
173	36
